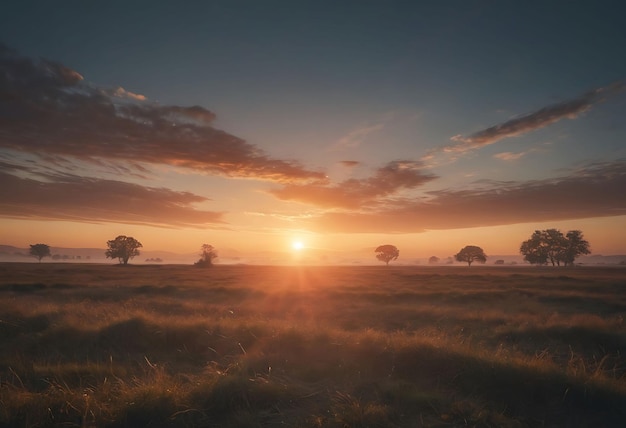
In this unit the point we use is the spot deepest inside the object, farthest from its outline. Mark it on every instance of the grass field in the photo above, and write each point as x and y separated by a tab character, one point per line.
253	346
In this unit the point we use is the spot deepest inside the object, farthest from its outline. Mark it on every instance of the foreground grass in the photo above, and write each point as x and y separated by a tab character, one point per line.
250	346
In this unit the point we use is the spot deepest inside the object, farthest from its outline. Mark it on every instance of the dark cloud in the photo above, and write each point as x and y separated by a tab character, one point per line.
67	197
47	108
538	119
355	193
350	163
594	191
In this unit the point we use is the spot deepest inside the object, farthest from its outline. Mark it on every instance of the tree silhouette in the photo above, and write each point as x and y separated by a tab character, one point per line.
552	246
470	254
207	254
535	249
433	260
556	245
123	248
386	253
576	246
40	251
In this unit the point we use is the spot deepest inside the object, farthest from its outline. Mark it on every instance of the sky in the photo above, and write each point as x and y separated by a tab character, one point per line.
341	125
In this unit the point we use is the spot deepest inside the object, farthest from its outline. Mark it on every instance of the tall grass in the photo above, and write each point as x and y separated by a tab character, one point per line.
254	346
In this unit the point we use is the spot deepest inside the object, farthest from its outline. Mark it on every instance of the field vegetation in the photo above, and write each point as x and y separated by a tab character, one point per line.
254	346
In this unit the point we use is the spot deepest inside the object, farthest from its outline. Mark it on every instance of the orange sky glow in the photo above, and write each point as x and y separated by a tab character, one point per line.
602	233
342	127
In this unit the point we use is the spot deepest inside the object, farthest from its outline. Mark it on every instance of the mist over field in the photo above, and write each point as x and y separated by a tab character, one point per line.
231	256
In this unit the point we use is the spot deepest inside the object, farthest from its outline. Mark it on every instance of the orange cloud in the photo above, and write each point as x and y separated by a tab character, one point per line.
354	193
509	156
123	93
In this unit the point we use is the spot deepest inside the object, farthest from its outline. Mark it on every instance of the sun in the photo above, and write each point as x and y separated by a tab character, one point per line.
297	245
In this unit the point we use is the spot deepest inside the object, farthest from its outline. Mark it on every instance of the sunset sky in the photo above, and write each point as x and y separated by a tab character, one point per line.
343	125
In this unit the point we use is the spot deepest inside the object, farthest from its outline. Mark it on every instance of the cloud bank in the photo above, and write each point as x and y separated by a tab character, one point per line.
47	108
594	191
50	112
74	198
356	193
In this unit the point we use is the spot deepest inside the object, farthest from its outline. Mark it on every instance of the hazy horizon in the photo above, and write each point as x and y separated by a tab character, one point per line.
231	256
310	128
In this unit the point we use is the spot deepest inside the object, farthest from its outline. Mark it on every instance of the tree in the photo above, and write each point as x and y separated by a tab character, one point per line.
471	254
386	253
433	260
123	248
576	246
535	249
552	246
556	245
207	254
40	251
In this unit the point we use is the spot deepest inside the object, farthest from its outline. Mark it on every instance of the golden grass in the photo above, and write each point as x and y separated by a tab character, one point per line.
249	346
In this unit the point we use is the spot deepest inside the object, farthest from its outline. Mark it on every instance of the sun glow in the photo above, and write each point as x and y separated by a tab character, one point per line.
297	245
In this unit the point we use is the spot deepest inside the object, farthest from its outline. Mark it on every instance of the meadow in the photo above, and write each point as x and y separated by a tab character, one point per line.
258	346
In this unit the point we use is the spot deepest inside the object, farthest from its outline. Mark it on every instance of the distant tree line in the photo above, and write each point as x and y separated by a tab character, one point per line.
68	257
468	254
125	248
543	247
